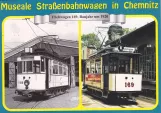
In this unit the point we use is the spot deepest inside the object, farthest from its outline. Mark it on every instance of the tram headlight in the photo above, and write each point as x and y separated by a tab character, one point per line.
26	82
120	48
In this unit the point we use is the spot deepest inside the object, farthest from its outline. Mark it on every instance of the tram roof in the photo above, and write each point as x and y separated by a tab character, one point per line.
108	50
108	53
125	53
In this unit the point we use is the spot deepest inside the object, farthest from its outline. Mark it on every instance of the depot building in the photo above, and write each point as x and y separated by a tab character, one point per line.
66	49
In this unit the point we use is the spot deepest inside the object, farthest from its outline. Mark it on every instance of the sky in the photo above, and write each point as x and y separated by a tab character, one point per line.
92	26
18	31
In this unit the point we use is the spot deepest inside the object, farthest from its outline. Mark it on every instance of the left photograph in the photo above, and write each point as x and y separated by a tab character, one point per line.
40	64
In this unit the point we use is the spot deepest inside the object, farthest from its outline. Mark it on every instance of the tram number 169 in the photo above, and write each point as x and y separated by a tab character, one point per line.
129	84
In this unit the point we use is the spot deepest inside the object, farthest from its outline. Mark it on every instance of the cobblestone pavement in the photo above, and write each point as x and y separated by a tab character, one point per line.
67	100
93	102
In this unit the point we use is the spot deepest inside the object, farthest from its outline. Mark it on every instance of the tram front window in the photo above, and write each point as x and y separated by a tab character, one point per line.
36	66
120	63
26	66
19	65
29	67
124	66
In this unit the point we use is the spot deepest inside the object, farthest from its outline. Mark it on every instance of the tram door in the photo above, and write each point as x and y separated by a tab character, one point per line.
47	74
105	71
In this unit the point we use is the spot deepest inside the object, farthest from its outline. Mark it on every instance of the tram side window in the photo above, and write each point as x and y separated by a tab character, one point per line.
55	67
42	64
92	67
87	67
36	66
60	68
98	67
19	65
64	70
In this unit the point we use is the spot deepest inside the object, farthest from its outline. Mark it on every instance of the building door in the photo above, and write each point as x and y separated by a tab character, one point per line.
47	74
12	74
6	75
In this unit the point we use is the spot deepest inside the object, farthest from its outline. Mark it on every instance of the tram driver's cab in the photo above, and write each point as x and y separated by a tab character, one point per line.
122	71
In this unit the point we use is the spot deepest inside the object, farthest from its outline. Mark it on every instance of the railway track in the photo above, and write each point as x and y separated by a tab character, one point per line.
130	106
29	103
9	93
146	99
35	101
104	103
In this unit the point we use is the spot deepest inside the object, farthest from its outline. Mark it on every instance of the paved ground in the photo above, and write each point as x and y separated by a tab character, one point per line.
93	102
67	100
70	100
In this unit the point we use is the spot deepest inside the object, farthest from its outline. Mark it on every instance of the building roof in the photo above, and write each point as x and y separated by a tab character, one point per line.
140	36
62	47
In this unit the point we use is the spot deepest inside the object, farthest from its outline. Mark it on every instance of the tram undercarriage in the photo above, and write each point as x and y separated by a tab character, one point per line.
111	95
46	93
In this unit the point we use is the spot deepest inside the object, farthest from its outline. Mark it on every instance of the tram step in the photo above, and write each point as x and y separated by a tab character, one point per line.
105	96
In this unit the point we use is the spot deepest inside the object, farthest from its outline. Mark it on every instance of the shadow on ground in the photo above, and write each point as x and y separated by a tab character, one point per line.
115	101
34	98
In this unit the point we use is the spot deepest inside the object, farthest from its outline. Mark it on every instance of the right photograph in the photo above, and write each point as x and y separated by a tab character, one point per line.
120	63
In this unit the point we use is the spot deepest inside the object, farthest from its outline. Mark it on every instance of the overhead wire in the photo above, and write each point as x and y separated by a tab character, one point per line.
97	29
46	33
32	29
36	34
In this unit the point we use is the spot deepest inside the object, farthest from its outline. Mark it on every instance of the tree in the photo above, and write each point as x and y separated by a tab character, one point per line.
116	31
128	30
90	40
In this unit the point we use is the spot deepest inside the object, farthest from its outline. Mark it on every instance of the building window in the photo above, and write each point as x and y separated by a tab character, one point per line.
147	63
